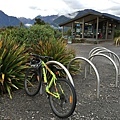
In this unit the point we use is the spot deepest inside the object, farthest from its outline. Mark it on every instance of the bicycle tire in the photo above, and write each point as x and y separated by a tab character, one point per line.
31	83
67	101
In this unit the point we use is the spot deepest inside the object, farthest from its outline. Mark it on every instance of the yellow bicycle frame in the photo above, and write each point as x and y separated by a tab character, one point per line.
52	81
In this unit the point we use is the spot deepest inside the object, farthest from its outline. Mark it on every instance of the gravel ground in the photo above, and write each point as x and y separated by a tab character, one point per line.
89	107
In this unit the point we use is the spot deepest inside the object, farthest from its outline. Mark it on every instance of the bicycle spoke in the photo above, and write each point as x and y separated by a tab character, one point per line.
32	82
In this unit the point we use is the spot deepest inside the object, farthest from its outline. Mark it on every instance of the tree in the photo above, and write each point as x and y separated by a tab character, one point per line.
39	21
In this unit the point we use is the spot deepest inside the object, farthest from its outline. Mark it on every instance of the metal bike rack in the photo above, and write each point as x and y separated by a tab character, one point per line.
111	61
115	55
98	50
64	68
94	68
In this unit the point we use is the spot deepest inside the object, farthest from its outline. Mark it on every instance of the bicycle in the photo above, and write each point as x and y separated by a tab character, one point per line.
60	91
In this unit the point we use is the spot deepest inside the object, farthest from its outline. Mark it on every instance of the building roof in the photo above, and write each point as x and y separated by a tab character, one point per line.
90	15
111	16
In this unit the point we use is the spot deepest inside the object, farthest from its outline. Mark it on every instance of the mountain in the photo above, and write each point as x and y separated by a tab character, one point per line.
26	21
6	20
53	20
59	20
48	19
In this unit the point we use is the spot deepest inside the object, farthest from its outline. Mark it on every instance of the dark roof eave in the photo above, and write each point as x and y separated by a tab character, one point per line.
111	18
107	16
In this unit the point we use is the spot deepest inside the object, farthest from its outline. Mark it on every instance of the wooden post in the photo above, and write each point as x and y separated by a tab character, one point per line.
72	29
113	30
83	28
97	28
106	36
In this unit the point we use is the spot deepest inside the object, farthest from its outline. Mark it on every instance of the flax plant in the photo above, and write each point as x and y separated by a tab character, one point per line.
58	50
12	66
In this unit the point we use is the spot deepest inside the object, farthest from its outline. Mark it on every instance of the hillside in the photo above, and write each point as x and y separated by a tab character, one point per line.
6	20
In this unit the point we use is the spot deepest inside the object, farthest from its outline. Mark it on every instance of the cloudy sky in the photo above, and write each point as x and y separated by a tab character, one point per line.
32	8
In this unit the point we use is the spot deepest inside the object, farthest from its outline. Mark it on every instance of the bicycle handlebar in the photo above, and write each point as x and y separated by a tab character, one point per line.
41	57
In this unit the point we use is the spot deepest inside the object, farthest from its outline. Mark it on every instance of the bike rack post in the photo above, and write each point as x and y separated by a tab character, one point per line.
94	68
111	61
64	68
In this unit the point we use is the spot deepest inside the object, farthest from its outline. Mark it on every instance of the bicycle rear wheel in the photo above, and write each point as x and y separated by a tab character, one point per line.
32	82
65	106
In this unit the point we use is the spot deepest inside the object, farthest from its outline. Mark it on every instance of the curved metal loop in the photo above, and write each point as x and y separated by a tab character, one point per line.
100	54
98	50
114	55
94	49
94	68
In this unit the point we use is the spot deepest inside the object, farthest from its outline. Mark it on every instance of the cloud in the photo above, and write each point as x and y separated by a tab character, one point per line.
36	8
107	6
115	1
112	8
115	10
32	8
75	4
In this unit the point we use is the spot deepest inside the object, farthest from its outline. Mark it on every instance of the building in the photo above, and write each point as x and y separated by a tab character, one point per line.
91	24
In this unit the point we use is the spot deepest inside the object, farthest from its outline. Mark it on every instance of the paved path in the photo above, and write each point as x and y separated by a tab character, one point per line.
83	49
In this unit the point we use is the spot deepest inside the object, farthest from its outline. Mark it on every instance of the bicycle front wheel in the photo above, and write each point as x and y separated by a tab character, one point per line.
65	106
32	82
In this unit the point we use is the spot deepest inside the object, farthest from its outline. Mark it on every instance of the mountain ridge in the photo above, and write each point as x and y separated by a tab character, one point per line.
53	20
6	20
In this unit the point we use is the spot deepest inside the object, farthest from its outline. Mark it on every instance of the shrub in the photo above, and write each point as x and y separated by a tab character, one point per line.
19	34
12	66
56	49
117	33
31	35
117	41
